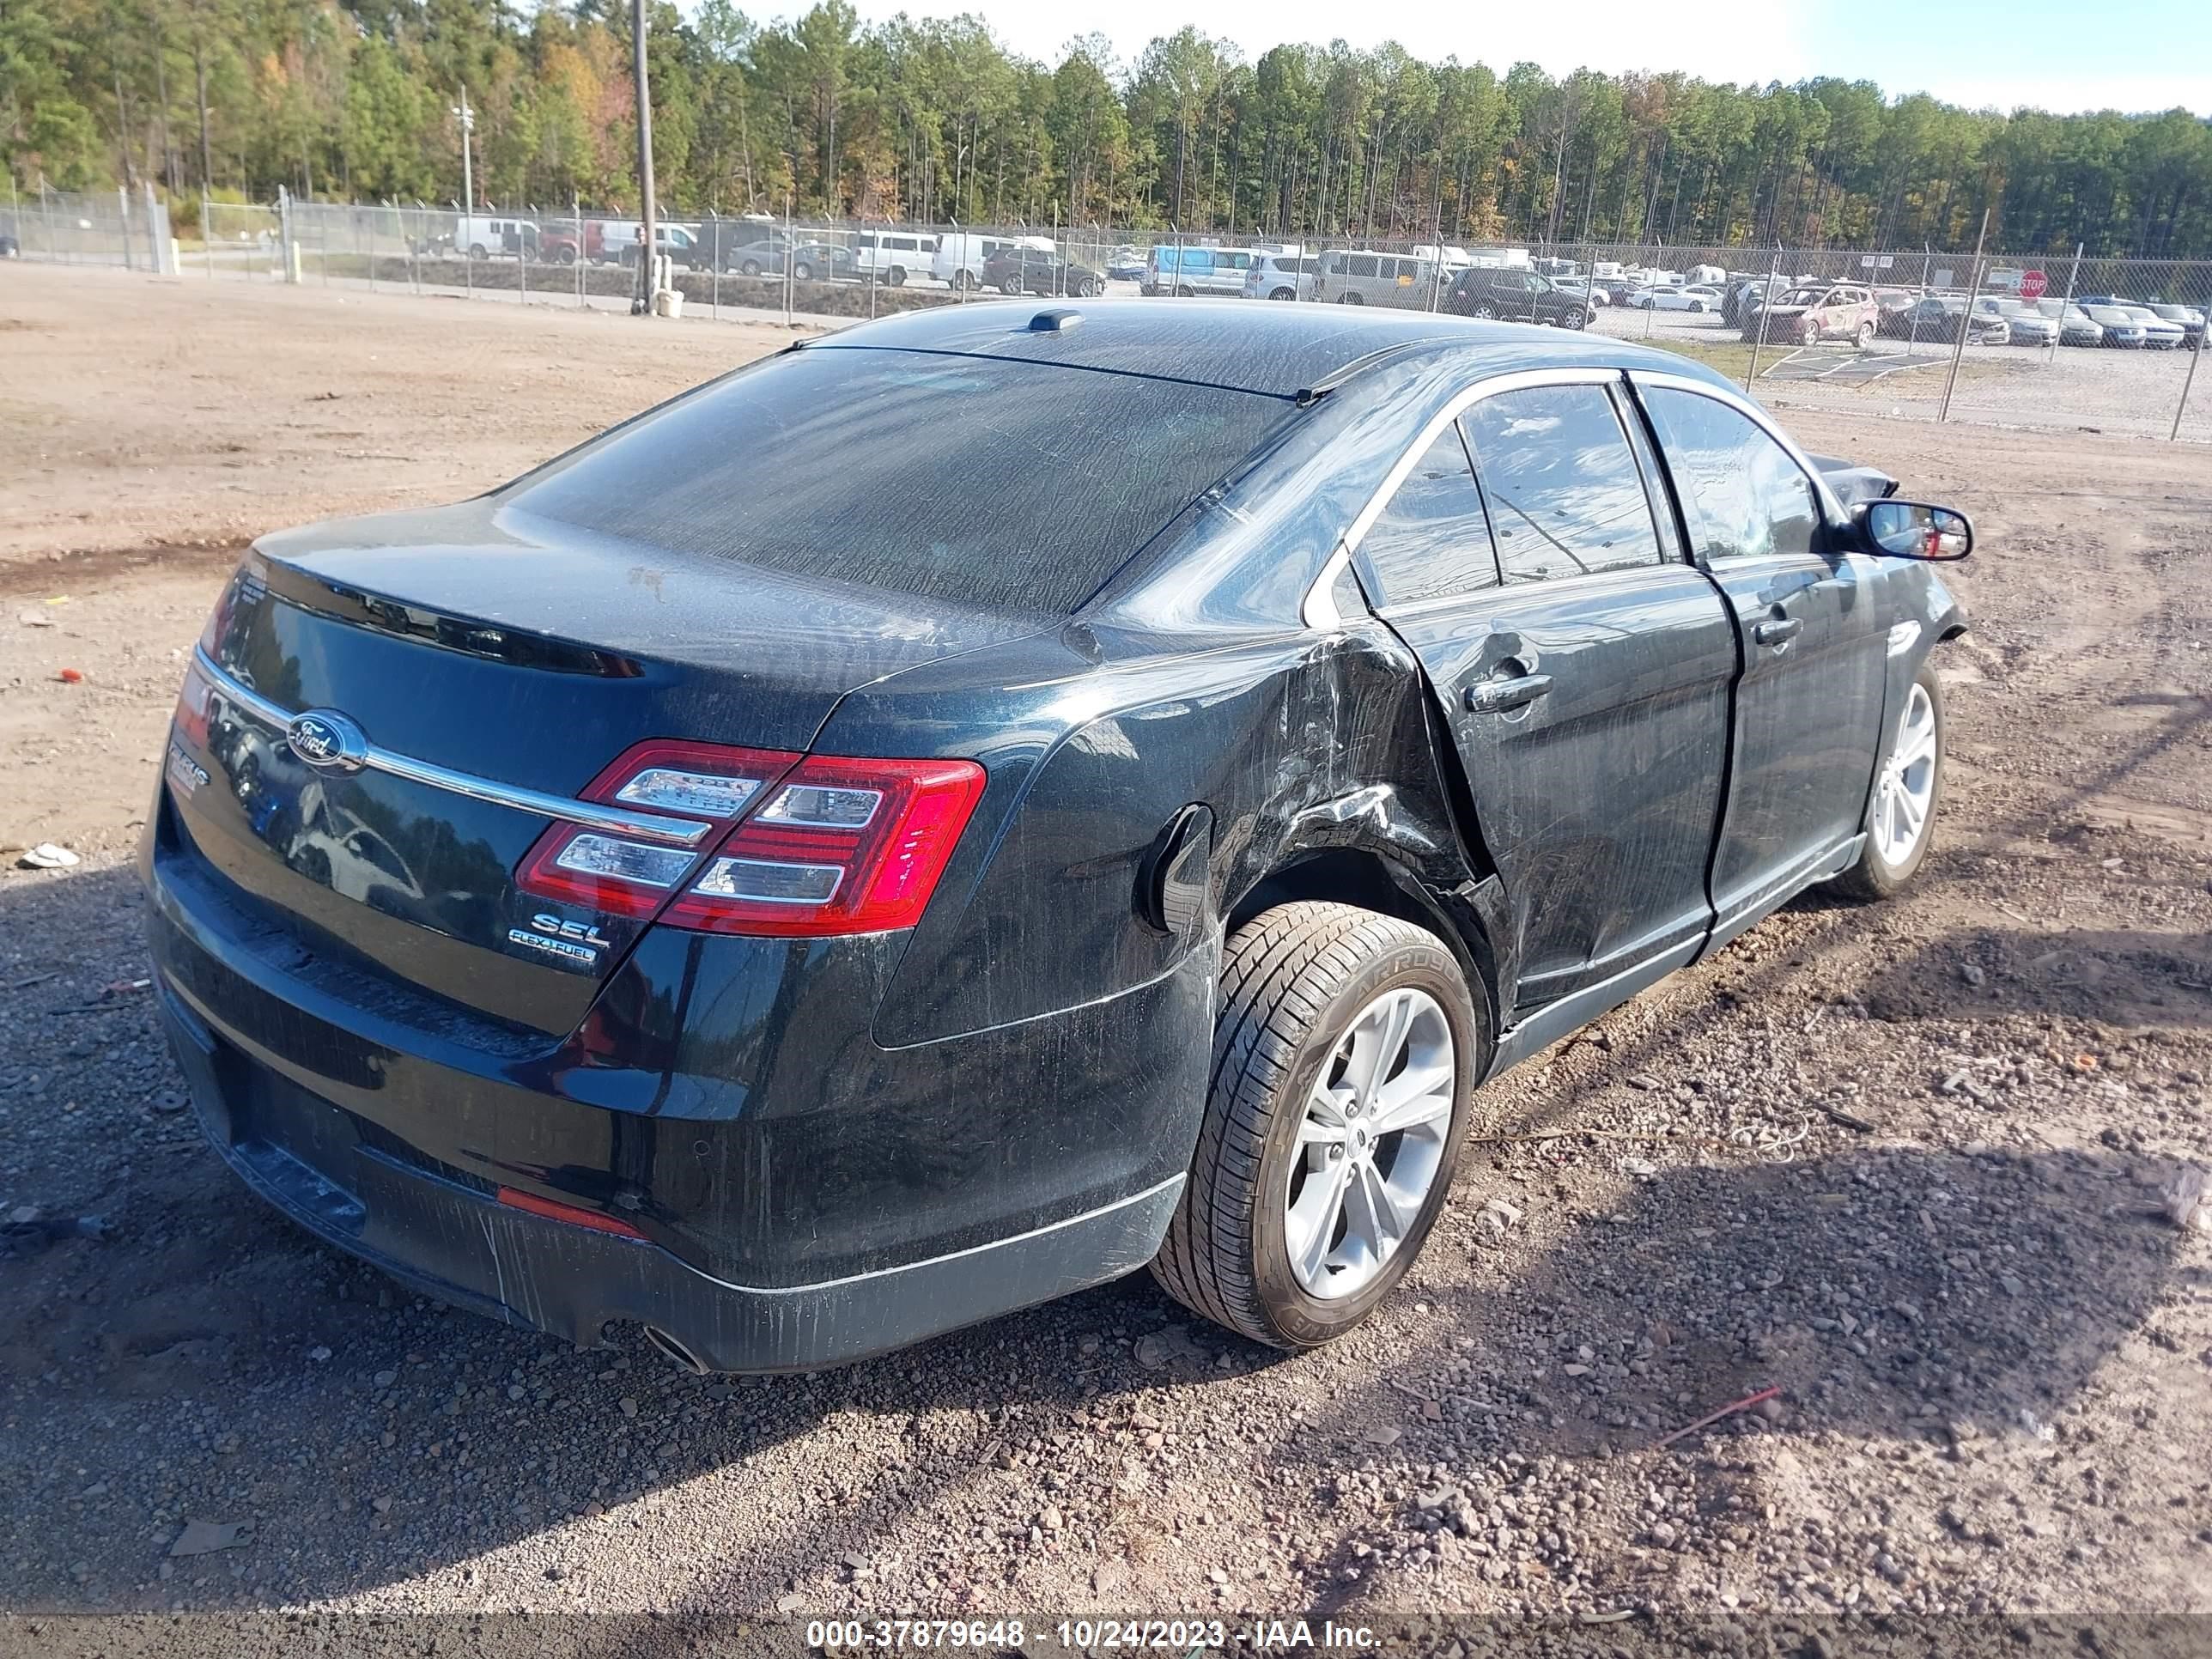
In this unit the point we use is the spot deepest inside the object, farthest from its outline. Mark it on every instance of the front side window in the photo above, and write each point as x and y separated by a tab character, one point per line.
1742	495
1433	538
1564	495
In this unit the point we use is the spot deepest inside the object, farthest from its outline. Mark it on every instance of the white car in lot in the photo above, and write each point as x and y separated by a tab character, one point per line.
1667	296
2159	334
2024	324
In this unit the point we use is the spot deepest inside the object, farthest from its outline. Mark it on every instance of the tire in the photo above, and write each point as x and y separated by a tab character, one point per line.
1809	335
962	280
1351	300
1866	336
1012	287
1880	873
1485	312
1184	291
801	272
1697	305
1575	319
895	276
476	250
564	256
1295	981
1093	287
1283	294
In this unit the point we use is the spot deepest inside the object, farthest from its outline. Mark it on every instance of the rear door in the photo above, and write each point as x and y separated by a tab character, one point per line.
1814	630
1583	665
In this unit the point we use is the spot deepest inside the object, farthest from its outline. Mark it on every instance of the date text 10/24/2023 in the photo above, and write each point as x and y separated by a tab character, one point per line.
1094	1636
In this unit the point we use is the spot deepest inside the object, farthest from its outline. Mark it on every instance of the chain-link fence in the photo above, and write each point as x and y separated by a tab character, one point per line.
122	228
2104	344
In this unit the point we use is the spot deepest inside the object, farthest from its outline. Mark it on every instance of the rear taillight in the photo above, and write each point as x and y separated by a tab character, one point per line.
810	847
192	717
840	847
626	876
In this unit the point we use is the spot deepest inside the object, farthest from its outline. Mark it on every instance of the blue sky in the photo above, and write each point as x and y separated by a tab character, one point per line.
2125	54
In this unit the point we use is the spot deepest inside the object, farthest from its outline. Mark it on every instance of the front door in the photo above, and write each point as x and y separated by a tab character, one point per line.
1584	672
1813	630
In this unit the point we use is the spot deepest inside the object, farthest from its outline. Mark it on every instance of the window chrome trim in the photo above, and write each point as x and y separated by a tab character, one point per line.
647	826
1319	609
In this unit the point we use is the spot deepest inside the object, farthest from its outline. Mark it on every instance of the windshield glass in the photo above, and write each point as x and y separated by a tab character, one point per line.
981	480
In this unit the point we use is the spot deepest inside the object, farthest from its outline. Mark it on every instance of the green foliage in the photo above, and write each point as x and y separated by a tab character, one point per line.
932	118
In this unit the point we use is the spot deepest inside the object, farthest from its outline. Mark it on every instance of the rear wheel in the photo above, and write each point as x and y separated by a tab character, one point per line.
1901	818
1351	300
1485	311
895	276
1012	285
1344	1056
801	272
1184	291
1576	319
476	250
1866	336
751	267
1283	294
1810	334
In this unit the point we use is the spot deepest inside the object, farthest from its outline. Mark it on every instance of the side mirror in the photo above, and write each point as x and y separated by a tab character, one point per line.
1911	530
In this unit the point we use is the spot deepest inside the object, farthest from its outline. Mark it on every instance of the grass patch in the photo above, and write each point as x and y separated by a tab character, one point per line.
1733	359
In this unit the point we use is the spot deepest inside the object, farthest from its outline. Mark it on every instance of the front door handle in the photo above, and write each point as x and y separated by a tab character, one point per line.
1778	630
1494	696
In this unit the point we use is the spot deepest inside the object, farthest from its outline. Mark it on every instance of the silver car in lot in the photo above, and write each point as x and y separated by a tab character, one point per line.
2076	327
2158	332
2120	329
2024	324
1281	277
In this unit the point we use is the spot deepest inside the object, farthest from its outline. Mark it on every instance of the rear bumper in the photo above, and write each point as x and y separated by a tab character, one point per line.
449	1241
779	1235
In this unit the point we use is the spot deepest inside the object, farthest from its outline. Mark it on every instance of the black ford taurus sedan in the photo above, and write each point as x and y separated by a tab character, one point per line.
969	807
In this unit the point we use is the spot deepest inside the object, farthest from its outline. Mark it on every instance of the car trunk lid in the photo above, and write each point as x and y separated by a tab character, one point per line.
496	664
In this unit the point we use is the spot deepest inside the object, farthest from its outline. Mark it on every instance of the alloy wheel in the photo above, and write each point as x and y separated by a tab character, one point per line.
1904	795
1377	1123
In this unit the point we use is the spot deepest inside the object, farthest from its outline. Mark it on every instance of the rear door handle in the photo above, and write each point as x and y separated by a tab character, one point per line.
1495	696
1778	630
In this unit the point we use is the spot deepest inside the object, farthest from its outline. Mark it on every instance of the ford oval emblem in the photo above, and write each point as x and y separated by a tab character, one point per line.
326	739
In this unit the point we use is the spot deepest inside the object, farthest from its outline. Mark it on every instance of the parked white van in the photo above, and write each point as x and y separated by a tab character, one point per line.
893	255
1357	277
482	235
959	258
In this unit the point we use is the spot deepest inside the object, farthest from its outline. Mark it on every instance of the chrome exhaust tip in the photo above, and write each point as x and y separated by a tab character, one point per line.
675	1350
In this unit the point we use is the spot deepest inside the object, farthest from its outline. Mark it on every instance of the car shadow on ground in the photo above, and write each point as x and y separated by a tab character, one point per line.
206	1359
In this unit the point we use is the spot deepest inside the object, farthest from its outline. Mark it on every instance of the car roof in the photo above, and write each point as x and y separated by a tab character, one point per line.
1277	350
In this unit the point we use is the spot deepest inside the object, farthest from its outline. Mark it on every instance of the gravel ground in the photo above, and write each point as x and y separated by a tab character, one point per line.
1902	1166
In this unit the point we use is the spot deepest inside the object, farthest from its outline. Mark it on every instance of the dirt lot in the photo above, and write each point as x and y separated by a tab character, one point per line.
1901	1163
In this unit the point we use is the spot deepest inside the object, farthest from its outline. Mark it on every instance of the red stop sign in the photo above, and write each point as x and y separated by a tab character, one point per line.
2030	285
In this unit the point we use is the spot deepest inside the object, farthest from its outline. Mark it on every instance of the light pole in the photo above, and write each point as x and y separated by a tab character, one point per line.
647	233
467	117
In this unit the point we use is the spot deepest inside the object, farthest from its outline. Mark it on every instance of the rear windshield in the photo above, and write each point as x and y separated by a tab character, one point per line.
979	480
